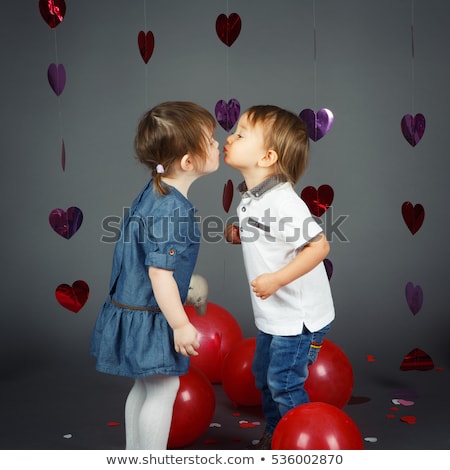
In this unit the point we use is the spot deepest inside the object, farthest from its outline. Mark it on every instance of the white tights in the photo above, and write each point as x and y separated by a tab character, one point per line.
148	412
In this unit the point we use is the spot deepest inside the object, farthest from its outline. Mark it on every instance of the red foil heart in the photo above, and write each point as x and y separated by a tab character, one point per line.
72	297
52	11
146	43
227	197
318	200
228	28
417	360
413	216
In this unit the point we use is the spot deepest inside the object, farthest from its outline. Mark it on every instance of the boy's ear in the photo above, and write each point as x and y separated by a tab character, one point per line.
269	159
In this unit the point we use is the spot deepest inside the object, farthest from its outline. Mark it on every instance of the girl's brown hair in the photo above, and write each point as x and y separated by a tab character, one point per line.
285	133
169	131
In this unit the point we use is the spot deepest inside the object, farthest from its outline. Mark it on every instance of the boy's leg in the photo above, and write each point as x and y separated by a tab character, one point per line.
288	370
260	368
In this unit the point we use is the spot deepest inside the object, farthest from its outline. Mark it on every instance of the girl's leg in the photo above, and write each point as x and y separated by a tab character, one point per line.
155	417
133	407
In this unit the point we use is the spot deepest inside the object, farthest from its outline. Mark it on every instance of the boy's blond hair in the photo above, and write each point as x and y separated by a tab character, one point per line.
286	134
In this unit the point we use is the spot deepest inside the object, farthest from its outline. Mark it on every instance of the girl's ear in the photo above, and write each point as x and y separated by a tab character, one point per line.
269	159
186	163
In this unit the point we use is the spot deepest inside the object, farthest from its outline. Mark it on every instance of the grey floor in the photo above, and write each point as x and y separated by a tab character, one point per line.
70	406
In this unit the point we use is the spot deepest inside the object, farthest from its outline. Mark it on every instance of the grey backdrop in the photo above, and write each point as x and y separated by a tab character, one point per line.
364	75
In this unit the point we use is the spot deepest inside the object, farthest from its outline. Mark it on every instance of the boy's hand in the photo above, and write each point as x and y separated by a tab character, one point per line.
186	340
232	234
265	285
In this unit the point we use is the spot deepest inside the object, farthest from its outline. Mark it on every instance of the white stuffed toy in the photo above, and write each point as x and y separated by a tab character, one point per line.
198	293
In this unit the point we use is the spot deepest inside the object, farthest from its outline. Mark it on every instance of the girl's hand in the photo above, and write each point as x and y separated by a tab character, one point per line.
186	340
265	285
232	234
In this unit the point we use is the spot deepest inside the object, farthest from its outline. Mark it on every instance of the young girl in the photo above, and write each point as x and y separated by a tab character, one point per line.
143	331
283	250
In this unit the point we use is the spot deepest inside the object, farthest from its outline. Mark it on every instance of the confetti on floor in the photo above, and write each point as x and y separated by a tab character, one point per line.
113	424
409	419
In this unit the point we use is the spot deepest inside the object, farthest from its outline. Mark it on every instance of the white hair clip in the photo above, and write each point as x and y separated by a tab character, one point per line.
159	169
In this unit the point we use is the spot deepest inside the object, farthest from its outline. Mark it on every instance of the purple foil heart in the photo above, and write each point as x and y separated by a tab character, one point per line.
414	297
66	223
317	124
57	77
227	113
413	128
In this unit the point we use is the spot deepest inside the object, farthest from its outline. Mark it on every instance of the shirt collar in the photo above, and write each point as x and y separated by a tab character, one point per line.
261	188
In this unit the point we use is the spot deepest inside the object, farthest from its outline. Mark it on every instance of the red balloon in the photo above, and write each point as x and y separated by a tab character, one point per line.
219	332
193	409
330	378
316	426
238	381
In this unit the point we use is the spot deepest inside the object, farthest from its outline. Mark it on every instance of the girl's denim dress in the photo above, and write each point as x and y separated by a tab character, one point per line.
131	335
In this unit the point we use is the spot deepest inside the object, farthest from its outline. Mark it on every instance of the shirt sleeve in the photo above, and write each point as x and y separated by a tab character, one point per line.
294	223
171	229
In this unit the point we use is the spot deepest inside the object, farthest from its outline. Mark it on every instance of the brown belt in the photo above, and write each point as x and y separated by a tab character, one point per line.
132	307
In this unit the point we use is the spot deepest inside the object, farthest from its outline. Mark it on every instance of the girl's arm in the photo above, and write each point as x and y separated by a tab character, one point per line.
167	295
308	258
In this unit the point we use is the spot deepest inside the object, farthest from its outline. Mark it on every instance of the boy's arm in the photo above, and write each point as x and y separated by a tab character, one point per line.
308	258
167	295
232	234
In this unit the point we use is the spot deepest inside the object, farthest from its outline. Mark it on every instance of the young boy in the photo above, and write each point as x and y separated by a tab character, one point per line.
283	249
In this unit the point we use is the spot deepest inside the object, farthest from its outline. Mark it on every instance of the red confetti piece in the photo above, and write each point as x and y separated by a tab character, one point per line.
394	408
113	424
210	441
236	414
370	358
409	419
390	416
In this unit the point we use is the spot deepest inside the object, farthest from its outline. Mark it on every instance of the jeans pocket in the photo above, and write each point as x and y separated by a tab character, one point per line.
316	344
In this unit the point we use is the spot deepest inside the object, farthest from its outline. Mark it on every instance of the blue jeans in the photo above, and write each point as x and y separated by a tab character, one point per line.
280	367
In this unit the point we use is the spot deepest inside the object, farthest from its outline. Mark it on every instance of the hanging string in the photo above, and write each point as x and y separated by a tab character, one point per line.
315	53
412	57
146	84
60	118
227	63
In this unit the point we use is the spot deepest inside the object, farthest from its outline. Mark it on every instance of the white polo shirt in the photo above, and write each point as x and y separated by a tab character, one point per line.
275	223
